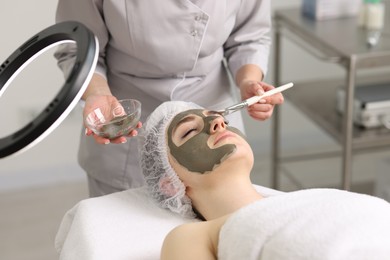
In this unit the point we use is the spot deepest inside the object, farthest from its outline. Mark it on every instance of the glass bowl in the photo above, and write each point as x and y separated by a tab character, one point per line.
115	121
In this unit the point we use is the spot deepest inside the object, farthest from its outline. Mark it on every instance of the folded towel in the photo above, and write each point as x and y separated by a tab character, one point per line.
309	224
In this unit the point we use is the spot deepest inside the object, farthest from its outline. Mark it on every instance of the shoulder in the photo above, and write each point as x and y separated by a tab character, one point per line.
196	240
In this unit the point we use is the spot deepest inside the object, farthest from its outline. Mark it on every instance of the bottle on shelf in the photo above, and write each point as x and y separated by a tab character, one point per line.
372	17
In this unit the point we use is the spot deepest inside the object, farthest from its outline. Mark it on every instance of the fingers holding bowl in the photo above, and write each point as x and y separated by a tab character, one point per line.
113	123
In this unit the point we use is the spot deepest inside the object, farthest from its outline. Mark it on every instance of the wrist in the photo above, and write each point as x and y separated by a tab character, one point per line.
249	74
98	86
246	82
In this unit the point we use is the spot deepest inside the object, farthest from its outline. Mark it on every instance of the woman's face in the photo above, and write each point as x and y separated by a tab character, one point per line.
200	140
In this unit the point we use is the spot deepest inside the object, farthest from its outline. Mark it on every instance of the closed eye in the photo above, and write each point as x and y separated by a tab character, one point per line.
188	132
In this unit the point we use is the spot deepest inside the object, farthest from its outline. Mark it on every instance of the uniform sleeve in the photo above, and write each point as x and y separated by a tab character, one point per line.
249	42
90	13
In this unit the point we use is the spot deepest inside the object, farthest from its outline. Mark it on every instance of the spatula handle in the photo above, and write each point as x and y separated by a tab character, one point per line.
255	99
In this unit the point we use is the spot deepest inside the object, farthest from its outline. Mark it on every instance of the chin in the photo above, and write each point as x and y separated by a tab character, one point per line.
242	152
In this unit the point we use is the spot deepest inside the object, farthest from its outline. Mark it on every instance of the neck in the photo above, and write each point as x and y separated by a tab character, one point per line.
219	200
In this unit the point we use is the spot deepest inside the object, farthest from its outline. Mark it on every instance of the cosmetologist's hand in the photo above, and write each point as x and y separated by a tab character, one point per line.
265	107
96	101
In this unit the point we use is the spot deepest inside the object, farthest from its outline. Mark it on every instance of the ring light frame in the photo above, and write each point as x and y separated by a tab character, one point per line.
69	95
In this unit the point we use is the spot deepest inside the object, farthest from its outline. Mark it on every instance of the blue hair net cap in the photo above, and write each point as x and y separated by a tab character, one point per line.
162	181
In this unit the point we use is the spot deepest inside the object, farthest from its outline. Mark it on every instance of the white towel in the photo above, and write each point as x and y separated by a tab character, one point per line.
123	225
309	224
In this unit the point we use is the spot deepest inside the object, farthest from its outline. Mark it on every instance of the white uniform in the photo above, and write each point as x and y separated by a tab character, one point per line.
155	51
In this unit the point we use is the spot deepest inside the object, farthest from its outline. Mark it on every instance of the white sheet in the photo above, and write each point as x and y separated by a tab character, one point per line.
123	225
310	224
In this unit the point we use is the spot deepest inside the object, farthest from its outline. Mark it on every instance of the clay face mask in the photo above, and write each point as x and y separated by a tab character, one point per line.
195	154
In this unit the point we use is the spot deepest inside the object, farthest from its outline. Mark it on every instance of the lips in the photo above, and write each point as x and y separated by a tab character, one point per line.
223	136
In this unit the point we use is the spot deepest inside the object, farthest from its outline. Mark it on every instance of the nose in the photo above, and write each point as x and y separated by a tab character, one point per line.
217	123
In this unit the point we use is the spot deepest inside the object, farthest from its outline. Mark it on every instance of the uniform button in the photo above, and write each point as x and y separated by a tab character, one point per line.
198	18
194	33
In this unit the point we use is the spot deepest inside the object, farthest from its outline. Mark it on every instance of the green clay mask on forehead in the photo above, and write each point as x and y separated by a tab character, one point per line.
195	154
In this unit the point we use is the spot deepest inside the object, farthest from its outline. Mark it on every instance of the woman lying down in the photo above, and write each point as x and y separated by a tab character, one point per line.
198	166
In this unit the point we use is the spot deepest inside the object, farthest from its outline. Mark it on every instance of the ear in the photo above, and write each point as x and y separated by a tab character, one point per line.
167	188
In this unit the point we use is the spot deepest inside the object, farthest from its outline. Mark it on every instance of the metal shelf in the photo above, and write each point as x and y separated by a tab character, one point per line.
317	100
342	42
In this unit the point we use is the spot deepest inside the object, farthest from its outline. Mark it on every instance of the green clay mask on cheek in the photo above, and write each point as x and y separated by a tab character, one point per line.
195	154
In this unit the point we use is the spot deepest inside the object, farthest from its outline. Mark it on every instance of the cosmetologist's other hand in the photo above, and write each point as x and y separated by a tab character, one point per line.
265	107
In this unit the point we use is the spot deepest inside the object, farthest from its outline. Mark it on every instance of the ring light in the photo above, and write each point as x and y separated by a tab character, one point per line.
69	95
